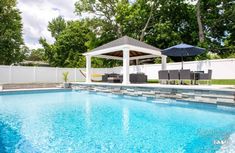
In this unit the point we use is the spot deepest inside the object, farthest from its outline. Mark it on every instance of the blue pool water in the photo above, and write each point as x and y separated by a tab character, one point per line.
83	122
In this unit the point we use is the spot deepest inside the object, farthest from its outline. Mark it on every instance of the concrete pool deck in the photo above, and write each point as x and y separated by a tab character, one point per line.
214	94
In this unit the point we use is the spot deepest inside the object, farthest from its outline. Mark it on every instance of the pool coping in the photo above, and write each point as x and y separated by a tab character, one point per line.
40	90
230	88
201	94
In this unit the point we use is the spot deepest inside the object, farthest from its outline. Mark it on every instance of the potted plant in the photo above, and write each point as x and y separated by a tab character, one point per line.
66	78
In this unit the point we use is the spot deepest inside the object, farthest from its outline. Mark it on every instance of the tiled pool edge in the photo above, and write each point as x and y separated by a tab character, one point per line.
216	96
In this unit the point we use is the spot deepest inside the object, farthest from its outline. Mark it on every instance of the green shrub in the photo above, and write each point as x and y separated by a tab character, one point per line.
65	76
153	81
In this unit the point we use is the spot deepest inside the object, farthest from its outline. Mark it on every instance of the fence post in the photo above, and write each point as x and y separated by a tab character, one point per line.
56	74
10	74
34	74
208	64
75	74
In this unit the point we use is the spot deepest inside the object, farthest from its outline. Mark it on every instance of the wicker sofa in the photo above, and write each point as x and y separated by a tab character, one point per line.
138	78
117	78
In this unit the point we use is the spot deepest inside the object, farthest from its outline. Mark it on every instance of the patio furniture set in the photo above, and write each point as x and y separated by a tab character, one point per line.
165	76
182	75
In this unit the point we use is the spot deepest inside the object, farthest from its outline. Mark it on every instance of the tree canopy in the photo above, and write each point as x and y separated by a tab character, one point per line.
56	26
69	45
10	33
161	23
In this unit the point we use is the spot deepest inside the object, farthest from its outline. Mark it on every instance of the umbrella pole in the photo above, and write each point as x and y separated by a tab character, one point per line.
182	67
182	62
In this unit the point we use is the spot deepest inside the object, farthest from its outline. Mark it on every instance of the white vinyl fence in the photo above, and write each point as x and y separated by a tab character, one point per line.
221	69
25	74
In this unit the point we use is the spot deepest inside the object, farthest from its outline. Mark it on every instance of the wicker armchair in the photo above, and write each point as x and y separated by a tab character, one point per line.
163	76
206	76
186	75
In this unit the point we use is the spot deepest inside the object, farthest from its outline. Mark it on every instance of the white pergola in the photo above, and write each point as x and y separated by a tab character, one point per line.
125	49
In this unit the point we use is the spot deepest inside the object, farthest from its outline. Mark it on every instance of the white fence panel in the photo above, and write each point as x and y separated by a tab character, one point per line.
221	69
4	74
79	74
45	74
22	74
71	77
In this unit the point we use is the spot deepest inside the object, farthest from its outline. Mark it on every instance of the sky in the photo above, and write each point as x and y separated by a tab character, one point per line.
37	13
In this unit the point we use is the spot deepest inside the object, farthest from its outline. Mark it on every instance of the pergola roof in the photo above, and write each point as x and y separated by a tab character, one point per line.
114	49
124	49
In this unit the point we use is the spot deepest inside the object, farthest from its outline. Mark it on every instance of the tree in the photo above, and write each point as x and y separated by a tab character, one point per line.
163	35
199	22
49	51
135	19
36	55
148	21
229	39
69	46
218	25
24	52
102	9
56	26
10	33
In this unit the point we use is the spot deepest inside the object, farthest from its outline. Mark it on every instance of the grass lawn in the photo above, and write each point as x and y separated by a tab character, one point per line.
224	82
215	82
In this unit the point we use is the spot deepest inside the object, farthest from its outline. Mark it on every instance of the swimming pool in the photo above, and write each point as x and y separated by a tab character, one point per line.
84	122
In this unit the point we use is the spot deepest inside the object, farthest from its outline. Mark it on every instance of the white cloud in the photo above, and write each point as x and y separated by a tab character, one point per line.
37	13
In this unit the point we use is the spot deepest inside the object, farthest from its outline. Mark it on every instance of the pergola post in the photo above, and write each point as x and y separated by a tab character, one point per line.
164	61
88	68
126	63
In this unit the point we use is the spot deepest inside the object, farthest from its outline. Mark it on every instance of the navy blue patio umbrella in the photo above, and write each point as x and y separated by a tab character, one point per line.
183	50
